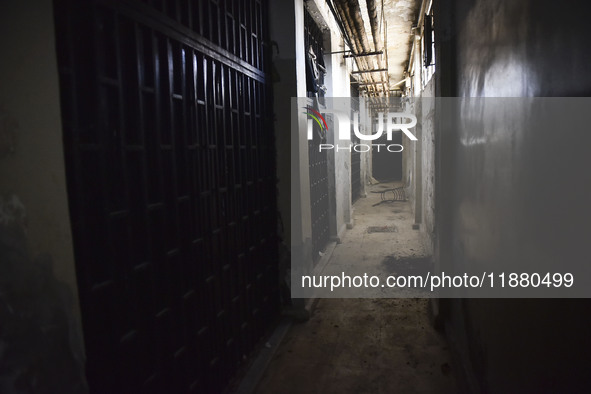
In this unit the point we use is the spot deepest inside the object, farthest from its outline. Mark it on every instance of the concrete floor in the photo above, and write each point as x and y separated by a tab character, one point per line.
365	345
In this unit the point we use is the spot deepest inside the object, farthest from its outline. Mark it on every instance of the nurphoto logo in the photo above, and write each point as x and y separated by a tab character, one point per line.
394	121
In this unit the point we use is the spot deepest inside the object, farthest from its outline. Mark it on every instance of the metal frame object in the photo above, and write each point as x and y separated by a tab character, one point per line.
170	160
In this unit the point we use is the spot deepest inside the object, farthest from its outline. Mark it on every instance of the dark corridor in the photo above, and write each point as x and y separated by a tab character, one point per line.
157	192
387	166
171	175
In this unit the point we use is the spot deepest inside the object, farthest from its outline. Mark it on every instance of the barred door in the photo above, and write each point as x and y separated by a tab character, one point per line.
318	163
171	178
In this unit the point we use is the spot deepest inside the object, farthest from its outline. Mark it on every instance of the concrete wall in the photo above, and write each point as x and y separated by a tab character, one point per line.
289	82
517	196
426	154
286	32
287	67
40	332
419	156
339	173
409	156
337	82
366	157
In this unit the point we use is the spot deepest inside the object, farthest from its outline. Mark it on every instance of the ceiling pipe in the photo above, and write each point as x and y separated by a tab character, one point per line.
344	10
341	26
373	22
345	32
348	24
417	31
364	54
377	70
359	26
355	11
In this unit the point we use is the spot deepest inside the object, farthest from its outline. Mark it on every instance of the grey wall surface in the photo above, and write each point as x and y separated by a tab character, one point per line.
409	154
340	171
41	347
518	195
427	158
285	72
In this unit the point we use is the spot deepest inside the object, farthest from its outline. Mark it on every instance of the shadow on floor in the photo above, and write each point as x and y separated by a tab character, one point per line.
367	345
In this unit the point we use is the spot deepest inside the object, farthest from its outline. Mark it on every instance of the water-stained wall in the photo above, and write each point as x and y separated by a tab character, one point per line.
517	195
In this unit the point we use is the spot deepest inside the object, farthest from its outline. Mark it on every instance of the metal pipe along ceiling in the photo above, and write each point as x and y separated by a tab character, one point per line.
377	40
350	14
346	16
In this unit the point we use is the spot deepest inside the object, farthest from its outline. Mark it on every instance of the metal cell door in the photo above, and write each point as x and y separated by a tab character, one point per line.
318	163
171	181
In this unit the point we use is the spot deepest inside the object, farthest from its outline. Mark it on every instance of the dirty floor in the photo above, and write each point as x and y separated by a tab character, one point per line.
371	344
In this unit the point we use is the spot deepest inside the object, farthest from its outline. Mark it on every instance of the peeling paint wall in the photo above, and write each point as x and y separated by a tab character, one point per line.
41	346
428	166
419	156
365	169
409	175
339	170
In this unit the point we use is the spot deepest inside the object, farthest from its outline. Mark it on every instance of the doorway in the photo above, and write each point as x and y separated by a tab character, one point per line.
387	166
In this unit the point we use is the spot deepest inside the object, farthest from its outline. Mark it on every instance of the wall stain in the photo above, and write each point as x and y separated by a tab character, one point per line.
39	348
